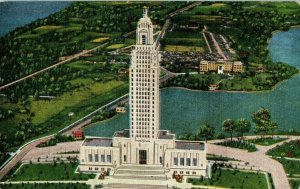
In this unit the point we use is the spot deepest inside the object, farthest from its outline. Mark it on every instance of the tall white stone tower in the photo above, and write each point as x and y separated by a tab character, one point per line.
144	83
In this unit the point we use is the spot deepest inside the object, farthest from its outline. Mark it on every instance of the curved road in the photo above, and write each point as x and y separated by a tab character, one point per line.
258	159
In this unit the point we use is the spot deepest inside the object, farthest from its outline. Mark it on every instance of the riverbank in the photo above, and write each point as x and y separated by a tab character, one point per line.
227	91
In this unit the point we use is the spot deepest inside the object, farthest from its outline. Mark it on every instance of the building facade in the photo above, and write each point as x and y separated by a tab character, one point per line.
144	143
221	66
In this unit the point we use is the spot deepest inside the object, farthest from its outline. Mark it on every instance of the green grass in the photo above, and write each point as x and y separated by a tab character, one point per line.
290	166
295	184
208	9
234	179
44	109
45	186
266	141
282	7
48	172
288	149
115	46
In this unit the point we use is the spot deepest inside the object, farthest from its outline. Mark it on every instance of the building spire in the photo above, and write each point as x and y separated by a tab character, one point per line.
145	12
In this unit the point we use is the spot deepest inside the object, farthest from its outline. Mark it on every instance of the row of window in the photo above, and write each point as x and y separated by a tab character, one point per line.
102	158
187	172
97	169
142	71
185	162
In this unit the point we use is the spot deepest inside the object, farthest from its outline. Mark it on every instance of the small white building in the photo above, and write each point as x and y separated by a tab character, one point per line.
144	145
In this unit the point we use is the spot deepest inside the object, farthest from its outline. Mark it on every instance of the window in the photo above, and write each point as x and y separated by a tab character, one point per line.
90	168
175	161
187	172
160	159
125	158
195	162
96	169
182	161
90	158
96	158
188	161
102	158
144	39
108	157
181	172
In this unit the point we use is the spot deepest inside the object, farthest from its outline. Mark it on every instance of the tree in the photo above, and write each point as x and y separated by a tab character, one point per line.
262	119
229	127
2	143
207	131
243	126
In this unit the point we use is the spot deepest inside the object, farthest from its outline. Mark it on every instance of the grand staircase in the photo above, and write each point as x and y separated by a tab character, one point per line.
139	177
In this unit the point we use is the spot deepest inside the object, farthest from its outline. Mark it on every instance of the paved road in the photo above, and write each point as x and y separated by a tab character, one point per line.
258	159
19	155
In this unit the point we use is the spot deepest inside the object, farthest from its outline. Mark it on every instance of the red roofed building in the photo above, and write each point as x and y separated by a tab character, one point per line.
78	134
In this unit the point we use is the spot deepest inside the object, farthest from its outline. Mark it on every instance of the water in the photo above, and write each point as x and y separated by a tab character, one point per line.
16	14
184	111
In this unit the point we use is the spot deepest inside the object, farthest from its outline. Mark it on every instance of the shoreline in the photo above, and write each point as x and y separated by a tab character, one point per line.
235	91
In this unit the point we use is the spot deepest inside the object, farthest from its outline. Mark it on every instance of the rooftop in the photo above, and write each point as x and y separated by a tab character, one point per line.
165	135
124	133
187	145
100	142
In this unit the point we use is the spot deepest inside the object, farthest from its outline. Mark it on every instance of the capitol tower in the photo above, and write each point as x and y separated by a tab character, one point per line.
144	151
144	83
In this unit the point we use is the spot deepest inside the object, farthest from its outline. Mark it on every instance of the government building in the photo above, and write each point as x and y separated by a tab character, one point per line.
221	66
144	146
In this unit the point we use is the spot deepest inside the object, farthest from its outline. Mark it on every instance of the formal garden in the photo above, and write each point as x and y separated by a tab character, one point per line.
288	149
232	178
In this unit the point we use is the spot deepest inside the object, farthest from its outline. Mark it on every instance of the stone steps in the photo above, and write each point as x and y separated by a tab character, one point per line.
134	186
141	177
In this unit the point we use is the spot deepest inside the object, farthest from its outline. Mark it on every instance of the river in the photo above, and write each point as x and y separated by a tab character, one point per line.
184	110
15	14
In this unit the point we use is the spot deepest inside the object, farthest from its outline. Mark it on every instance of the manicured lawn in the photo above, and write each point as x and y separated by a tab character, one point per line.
266	141
48	27
48	172
290	166
100	40
183	48
234	179
288	149
115	46
44	109
46	186
295	184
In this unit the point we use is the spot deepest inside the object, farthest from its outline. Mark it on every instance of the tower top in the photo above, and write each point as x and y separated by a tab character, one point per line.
145	11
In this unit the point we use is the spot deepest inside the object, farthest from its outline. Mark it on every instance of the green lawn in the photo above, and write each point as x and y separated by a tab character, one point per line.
48	172
44	109
288	149
266	141
290	166
234	179
45	186
295	184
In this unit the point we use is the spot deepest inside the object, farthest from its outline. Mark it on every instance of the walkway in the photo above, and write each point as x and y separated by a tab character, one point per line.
259	159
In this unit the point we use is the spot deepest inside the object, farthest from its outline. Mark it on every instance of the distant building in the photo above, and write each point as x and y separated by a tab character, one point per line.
221	66
144	148
78	134
120	109
213	87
